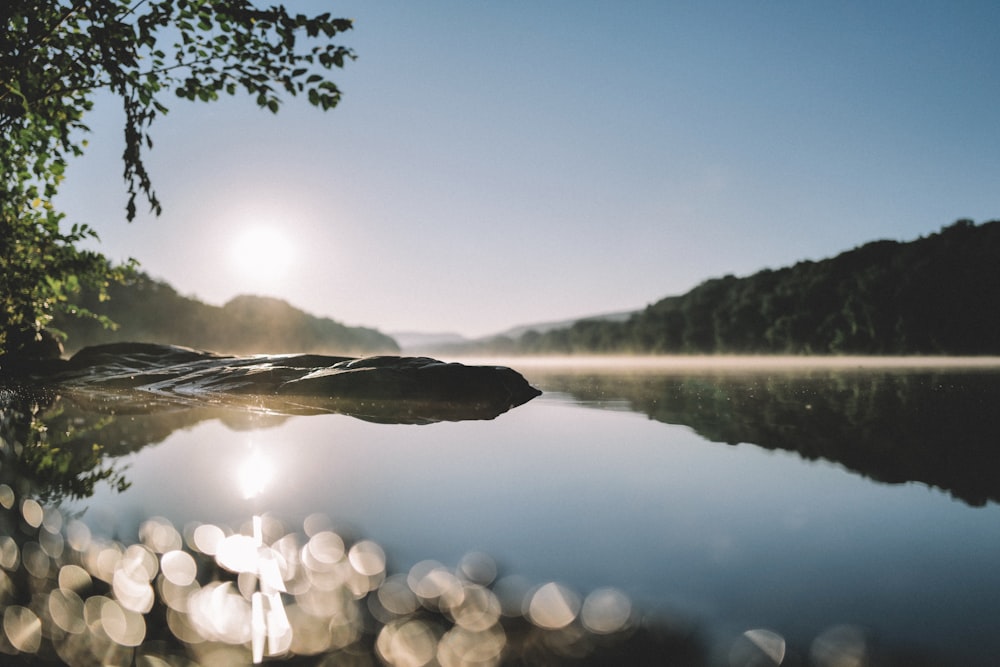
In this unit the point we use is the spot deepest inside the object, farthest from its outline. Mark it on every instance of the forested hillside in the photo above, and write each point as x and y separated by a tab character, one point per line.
939	294
147	310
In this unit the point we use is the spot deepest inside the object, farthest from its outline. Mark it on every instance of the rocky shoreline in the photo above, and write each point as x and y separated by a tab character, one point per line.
381	388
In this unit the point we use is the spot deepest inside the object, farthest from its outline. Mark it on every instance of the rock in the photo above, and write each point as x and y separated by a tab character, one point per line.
383	388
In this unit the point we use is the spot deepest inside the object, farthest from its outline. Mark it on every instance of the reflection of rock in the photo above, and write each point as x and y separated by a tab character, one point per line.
395	389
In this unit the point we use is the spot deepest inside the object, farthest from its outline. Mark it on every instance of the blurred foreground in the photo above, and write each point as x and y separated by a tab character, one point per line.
209	595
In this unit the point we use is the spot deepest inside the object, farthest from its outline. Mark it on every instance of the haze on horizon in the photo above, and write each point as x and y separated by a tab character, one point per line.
500	164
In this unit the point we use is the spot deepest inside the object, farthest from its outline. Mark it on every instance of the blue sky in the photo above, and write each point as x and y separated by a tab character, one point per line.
500	163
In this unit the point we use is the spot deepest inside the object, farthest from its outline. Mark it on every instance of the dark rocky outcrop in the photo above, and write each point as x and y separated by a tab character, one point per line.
382	388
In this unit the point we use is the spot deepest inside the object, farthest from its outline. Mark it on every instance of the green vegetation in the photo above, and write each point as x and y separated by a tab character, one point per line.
150	311
55	55
935	295
52	454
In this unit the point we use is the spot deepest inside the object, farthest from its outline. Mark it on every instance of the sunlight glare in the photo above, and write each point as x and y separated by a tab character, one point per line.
606	611
23	628
254	476
553	606
207	538
406	642
261	255
6	496
299	597
757	648
178	567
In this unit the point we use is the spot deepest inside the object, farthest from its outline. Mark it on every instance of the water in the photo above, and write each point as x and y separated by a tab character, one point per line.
837	512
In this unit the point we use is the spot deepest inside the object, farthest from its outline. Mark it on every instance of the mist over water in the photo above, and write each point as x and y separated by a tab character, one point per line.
630	364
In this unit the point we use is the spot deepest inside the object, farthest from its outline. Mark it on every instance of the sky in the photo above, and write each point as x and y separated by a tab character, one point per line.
494	164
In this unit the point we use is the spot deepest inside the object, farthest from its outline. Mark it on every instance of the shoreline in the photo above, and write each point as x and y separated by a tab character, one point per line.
736	362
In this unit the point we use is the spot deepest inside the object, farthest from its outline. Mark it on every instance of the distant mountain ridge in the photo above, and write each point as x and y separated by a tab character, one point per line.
410	341
413	342
542	327
934	295
151	311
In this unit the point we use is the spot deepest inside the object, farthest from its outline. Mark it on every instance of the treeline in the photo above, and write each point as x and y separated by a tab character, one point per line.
152	311
939	294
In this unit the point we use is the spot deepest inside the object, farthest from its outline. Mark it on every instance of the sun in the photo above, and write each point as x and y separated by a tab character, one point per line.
261	256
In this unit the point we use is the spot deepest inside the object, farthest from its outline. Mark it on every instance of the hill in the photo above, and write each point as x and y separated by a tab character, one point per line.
438	343
935	295
152	311
413	342
542	327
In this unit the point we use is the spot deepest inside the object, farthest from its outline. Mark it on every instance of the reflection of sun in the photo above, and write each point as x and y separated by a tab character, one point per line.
254	475
261	255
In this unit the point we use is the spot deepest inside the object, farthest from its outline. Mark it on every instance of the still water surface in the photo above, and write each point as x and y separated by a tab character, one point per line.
804	502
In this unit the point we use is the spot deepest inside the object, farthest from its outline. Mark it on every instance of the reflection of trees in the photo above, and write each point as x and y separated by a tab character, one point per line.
936	427
49	451
56	447
60	418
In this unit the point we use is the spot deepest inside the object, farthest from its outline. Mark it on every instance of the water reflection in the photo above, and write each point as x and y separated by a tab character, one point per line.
935	427
220	594
53	449
938	427
255	474
215	596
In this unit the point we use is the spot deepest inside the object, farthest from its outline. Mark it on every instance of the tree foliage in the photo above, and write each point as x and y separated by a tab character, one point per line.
56	55
935	295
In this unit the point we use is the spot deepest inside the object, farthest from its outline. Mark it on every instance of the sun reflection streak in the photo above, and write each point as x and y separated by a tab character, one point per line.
255	475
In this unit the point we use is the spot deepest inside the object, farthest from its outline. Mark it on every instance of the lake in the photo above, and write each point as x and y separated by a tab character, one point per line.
770	513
